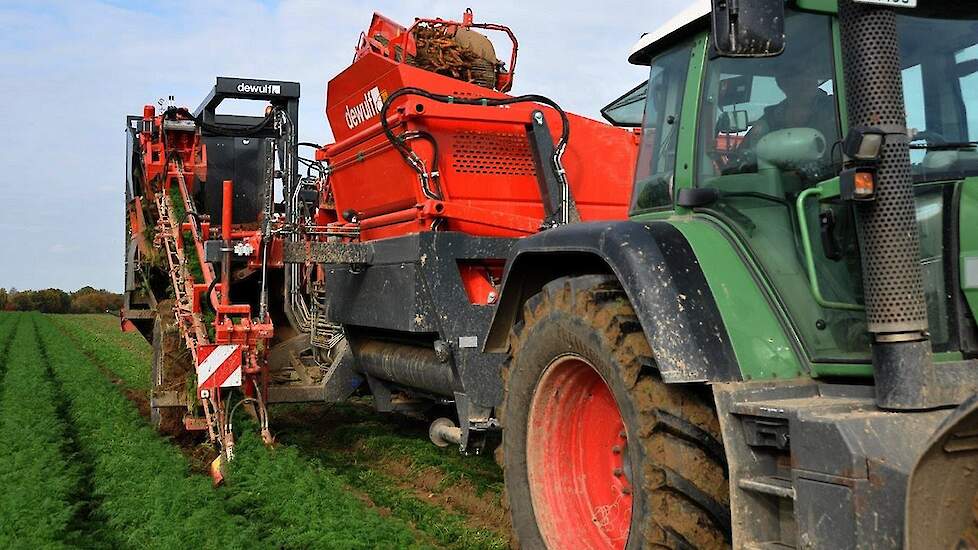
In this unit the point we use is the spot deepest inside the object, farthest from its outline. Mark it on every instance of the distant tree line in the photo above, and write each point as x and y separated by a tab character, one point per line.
53	300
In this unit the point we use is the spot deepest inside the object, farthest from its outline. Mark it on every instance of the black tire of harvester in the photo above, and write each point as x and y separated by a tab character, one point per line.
171	366
681	500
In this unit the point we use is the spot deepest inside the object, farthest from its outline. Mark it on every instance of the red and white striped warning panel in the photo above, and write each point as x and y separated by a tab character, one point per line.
219	366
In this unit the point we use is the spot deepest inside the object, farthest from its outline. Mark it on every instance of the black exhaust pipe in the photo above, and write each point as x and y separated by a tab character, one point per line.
896	312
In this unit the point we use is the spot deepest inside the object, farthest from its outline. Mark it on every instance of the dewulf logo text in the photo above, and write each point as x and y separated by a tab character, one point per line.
370	107
260	88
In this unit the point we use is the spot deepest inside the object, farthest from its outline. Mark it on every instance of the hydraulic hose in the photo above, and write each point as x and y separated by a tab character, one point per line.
412	159
296	308
220	130
484	101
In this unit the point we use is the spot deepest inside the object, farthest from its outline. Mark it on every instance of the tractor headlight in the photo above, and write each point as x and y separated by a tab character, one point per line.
864	144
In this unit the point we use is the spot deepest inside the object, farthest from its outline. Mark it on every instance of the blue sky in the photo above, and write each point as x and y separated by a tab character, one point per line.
71	71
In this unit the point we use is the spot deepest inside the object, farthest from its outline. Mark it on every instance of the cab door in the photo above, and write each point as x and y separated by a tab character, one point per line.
766	133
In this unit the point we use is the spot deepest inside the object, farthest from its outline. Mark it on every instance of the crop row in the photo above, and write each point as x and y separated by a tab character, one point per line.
299	503
444	528
86	470
131	365
8	324
147	497
382	464
106	328
306	505
43	487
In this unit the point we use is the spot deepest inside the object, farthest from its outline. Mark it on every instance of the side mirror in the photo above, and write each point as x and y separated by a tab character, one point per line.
748	28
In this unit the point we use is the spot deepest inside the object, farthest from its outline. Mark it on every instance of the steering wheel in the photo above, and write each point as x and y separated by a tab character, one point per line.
733	161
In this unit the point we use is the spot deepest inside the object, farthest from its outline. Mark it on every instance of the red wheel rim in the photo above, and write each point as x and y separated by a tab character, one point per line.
577	459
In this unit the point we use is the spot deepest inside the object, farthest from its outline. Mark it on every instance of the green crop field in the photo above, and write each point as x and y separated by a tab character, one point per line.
83	467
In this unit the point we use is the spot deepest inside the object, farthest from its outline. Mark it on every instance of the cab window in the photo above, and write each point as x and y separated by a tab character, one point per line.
772	115
940	88
655	171
627	110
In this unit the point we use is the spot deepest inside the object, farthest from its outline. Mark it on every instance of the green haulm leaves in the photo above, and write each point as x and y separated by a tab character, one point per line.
114	349
115	482
305	505
148	497
42	495
297	502
107	329
191	258
356	427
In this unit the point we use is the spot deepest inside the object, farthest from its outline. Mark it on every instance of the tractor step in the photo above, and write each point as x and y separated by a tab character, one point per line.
769	546
768	485
809	462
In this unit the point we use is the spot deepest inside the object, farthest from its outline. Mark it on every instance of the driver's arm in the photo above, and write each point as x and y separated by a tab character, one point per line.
759	129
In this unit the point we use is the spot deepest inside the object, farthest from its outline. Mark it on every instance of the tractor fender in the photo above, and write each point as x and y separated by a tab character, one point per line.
659	272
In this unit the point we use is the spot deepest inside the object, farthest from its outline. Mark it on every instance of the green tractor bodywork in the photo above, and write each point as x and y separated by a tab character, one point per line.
816	459
844	374
778	248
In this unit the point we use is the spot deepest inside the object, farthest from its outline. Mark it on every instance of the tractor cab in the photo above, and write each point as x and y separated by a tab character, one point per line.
754	144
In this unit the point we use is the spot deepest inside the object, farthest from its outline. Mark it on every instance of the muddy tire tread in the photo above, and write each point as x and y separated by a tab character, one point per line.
685	476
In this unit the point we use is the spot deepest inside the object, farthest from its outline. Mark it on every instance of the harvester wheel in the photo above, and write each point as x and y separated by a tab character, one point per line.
171	367
597	451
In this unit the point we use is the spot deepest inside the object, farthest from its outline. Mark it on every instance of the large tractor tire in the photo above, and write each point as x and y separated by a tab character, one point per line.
597	452
172	365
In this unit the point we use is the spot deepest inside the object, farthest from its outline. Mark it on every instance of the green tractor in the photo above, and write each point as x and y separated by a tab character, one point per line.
779	349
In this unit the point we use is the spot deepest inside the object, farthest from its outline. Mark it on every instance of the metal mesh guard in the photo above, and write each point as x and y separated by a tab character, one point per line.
891	254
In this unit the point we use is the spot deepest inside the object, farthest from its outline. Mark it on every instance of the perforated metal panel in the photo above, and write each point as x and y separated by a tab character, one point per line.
890	244
496	153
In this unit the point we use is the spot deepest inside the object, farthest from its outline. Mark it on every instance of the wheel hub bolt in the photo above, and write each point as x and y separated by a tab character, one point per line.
616	449
618	472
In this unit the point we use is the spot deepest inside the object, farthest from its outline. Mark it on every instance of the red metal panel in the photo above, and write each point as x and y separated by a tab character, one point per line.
487	179
485	166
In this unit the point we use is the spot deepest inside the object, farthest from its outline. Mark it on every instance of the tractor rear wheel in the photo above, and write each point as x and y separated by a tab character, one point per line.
597	451
171	367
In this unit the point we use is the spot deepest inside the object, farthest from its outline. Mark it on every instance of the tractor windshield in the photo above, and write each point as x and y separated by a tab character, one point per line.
940	86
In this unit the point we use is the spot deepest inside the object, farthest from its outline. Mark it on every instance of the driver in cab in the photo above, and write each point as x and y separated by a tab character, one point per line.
805	105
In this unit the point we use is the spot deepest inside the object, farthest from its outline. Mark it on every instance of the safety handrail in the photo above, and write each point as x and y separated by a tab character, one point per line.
806	243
